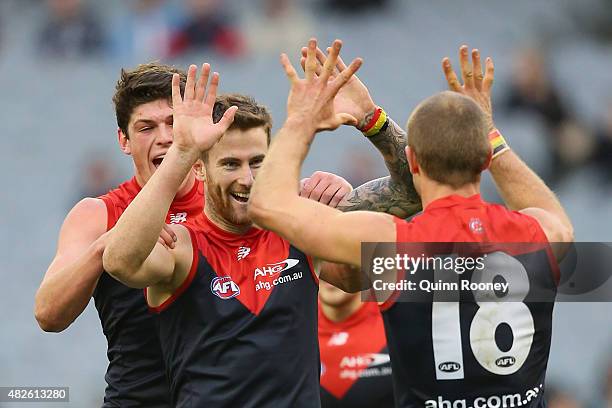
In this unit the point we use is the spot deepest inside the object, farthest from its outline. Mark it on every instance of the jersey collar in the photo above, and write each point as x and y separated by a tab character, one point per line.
454	200
203	223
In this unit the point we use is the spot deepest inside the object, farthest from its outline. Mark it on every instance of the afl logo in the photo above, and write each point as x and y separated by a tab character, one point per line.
449	367
224	287
505	361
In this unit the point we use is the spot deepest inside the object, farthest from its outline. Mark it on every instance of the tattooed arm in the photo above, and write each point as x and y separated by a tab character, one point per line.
394	194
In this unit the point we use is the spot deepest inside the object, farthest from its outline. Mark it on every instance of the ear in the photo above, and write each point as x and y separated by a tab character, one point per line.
487	163
199	170
124	142
413	165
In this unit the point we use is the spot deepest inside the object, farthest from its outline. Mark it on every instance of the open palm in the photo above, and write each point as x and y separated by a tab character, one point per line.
194	128
475	85
313	96
353	98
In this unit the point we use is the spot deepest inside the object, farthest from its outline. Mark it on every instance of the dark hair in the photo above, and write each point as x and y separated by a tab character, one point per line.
146	83
448	133
250	114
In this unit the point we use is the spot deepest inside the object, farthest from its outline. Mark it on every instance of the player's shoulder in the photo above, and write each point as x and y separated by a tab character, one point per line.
88	208
88	217
501	212
417	224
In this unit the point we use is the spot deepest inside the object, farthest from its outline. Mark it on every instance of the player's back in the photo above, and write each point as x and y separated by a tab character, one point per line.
135	374
241	331
460	346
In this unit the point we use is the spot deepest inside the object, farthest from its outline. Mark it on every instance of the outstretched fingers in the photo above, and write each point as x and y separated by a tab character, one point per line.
211	93
289	70
332	60
202	81
345	75
451	77
340	65
466	67
176	90
487	83
311	59
227	119
303	64
477	66
321	58
190	84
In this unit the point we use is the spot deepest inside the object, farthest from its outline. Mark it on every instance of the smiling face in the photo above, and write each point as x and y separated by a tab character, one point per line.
150	137
230	169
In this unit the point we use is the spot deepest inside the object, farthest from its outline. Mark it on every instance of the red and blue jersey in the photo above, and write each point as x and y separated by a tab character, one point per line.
472	352
241	331
135	373
355	363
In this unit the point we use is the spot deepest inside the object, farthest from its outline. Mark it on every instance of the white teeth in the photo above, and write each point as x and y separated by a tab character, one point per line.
242	195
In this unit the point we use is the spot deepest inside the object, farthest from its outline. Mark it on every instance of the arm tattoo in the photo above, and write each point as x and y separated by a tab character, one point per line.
381	195
366	119
394	194
392	144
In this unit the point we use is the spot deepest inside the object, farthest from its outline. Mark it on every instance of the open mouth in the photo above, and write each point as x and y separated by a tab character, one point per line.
157	161
241	197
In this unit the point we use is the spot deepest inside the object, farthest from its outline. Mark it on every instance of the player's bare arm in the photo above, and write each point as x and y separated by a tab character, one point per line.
275	204
133	254
520	188
394	194
73	274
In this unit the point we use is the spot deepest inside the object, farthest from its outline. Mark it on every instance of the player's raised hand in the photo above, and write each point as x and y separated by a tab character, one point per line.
311	98
193	129
353	98
475	85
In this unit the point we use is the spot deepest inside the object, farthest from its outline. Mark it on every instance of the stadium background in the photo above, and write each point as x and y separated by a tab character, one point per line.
59	130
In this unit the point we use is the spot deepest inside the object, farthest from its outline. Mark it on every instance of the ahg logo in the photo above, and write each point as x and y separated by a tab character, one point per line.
364	360
224	287
275	268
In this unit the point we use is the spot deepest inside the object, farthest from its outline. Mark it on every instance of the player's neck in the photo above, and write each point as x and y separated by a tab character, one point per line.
222	223
433	191
341	313
187	185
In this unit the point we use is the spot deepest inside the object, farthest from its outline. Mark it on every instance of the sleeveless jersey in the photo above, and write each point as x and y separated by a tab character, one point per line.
241	331
135	373
473	352
355	364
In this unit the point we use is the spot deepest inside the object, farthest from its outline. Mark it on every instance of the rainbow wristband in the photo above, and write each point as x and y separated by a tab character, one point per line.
498	143
376	124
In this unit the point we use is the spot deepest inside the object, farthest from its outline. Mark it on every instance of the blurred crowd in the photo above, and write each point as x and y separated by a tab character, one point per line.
162	29
572	143
143	30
